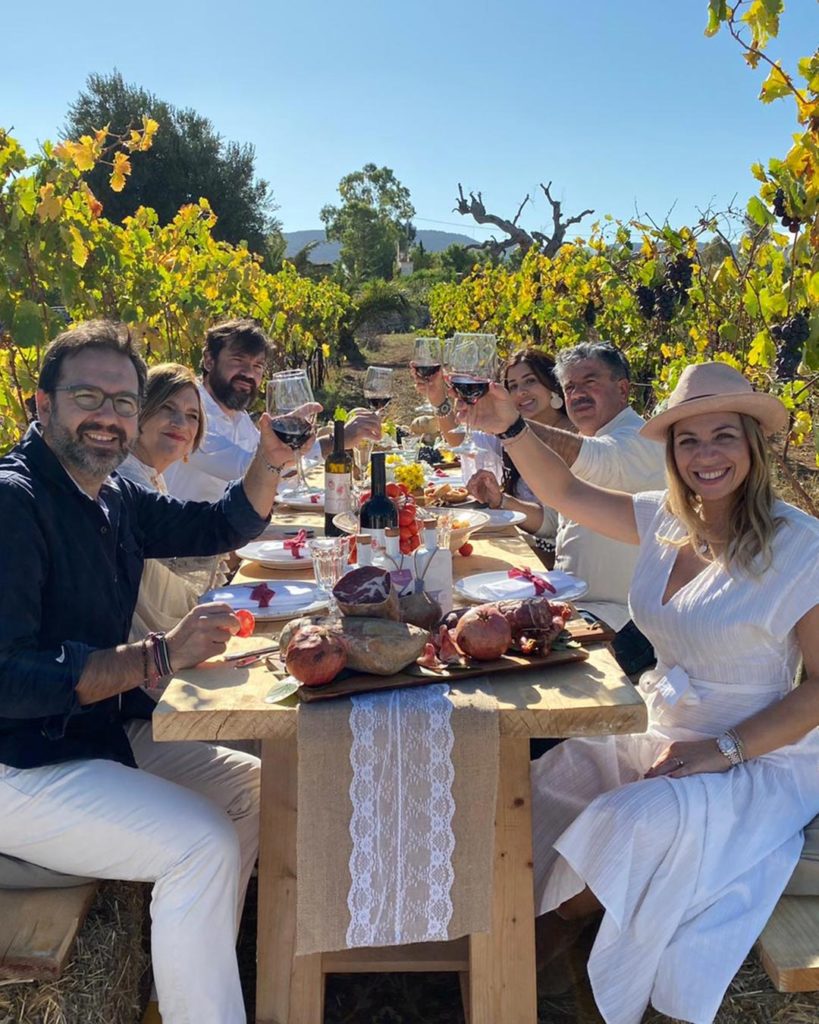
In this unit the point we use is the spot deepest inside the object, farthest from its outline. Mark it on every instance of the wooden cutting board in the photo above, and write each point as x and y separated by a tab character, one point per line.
414	675
584	632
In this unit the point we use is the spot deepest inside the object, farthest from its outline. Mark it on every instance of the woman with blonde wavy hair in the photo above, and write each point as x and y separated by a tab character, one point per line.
684	837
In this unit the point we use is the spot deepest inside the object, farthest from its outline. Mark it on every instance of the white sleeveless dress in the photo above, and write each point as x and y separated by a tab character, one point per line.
688	870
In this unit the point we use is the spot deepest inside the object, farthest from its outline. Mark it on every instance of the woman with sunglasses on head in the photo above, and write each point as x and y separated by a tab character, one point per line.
684	837
171	425
530	379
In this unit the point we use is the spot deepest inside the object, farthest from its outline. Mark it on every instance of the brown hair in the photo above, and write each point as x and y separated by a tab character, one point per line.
543	367
244	335
165	380
105	335
751	524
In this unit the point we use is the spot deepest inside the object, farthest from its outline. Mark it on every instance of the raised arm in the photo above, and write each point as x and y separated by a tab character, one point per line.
610	513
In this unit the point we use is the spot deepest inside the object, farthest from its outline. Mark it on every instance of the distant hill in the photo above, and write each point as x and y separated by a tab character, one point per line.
327	252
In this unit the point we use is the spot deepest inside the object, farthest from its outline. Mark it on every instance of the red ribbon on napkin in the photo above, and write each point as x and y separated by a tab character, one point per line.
537	582
314	498
295	545
439	472
262	593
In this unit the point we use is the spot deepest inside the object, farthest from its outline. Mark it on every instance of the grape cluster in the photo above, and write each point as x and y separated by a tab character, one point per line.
645	301
662	299
590	313
790	337
785	219
428	453
679	275
666	297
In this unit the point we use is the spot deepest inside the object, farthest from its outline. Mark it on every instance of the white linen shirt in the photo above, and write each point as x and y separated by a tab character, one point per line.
616	457
227	448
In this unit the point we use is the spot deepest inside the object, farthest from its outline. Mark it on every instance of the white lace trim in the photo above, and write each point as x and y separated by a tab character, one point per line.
401	826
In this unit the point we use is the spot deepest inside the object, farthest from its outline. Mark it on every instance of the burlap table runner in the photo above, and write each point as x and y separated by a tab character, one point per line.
324	843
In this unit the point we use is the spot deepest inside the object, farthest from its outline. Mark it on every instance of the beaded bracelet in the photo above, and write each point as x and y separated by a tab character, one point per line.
150	675
162	658
740	745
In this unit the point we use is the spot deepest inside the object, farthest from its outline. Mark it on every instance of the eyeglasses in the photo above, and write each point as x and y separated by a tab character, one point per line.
87	397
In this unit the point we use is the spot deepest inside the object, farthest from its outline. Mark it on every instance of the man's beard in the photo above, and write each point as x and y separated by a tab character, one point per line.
227	395
75	455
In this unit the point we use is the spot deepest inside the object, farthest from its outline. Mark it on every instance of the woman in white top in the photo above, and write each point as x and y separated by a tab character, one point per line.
171	425
686	836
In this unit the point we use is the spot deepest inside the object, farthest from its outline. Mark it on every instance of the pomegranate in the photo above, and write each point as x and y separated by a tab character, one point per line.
315	655
483	633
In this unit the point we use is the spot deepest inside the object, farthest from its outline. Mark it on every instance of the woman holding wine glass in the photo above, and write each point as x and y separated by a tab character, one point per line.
470	362
292	410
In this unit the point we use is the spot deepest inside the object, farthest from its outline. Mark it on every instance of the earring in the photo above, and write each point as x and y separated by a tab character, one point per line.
185	457
555	400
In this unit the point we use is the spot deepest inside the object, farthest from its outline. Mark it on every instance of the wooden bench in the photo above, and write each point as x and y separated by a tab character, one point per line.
38	928
789	946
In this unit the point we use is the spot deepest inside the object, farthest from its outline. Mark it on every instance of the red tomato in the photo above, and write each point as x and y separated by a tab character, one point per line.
247	622
406	517
405	532
414	542
393	489
404	489
405	547
364	497
465	549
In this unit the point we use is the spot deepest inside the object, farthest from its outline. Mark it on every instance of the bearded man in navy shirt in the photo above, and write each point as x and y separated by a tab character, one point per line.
84	790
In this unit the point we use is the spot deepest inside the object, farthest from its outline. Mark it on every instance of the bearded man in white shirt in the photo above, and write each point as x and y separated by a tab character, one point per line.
233	366
608	450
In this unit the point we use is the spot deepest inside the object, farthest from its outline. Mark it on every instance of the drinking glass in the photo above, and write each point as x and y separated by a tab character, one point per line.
378	388
330	556
287	393
426	361
470	364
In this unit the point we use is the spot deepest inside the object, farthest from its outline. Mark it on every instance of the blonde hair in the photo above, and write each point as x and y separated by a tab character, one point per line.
165	380
751	522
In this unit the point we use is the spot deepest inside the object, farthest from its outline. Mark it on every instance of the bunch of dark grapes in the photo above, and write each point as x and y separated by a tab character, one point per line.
785	219
426	453
665	296
679	275
790	337
590	313
645	301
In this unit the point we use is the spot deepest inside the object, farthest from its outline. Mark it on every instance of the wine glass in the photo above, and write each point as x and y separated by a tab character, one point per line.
378	388
426	361
287	393
330	556
470	366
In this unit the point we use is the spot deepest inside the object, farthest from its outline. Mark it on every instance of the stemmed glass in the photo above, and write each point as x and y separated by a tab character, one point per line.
426	361
287	393
330	556
470	362
378	388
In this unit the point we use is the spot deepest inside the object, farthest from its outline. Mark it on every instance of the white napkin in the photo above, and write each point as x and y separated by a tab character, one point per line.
504	588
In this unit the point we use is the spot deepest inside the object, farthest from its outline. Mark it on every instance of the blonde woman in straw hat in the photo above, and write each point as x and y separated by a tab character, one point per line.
685	836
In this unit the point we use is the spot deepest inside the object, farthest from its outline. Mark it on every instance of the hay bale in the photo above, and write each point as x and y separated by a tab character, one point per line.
105	982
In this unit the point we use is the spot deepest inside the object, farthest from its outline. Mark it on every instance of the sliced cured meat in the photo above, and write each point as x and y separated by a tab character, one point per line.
367	591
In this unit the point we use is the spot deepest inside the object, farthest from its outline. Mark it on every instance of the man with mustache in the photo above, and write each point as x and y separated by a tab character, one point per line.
233	366
83	787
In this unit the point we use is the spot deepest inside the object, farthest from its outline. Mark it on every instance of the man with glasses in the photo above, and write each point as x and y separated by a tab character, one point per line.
84	789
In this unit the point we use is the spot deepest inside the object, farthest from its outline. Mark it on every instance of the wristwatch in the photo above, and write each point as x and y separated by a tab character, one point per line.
729	748
444	409
513	431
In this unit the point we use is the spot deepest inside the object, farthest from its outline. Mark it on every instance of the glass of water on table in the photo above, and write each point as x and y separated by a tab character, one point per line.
330	556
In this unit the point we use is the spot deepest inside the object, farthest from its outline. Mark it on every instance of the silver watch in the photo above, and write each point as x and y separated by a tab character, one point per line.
444	409
729	748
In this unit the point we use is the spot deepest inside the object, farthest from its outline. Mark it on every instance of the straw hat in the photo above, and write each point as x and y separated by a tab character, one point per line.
715	387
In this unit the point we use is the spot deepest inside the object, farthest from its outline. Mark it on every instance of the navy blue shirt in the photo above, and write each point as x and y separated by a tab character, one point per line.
70	569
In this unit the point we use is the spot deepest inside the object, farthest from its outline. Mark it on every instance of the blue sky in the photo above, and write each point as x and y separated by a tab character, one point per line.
622	104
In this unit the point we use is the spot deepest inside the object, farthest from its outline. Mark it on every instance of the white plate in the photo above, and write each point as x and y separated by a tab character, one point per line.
476	518
274	554
500	517
496	586
302	500
291	598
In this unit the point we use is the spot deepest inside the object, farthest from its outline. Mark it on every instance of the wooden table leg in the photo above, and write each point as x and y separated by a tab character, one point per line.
289	989
502	962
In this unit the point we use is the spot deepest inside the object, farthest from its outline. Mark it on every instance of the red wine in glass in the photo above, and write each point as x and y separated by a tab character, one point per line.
378	402
470	389
428	371
291	430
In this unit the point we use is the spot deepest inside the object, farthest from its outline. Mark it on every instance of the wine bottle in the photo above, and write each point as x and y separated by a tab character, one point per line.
378	512
338	470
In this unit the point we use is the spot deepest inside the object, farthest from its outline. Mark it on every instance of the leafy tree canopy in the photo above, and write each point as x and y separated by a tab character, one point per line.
188	160
372	219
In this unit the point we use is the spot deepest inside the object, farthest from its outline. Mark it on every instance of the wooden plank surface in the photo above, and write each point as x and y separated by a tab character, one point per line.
418	956
38	928
789	945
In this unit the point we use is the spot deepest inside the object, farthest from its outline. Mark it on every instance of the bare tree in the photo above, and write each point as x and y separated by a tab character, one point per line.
548	244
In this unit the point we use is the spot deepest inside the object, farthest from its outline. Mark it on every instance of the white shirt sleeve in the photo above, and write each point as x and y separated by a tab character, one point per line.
621	460
220	457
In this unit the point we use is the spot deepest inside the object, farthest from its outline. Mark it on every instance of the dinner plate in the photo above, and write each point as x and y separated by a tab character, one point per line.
275	555
496	586
302	500
291	598
500	517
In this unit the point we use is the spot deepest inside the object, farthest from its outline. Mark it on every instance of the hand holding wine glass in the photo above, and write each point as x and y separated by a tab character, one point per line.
426	367
470	367
378	388
292	411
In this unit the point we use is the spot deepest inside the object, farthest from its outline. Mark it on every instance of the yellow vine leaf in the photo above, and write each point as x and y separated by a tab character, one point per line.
79	250
84	153
775	86
149	129
50	206
122	168
325	350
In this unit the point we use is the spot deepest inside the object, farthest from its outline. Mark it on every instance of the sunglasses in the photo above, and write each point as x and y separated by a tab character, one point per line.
89	398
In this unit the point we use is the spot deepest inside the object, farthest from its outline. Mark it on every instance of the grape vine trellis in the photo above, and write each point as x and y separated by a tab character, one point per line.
659	293
61	259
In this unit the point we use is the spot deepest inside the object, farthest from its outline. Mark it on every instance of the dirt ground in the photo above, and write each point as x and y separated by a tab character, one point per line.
435	998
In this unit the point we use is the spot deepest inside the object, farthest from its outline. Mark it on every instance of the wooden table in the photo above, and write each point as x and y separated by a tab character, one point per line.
497	968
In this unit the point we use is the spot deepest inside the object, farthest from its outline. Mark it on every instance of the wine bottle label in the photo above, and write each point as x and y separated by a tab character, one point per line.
379	544
337	493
